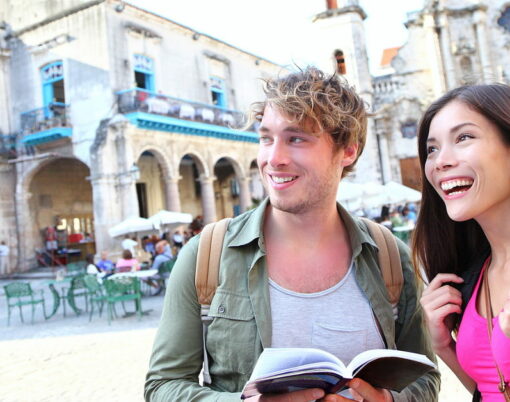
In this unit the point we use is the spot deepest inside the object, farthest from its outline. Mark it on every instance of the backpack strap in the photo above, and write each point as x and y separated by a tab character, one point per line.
207	274
389	259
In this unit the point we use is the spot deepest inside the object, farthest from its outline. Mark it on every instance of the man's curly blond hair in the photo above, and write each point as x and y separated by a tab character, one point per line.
318	103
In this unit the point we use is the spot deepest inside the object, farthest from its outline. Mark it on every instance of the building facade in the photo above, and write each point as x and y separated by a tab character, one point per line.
450	43
108	111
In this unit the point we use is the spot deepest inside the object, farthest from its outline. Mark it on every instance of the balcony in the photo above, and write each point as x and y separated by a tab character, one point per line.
165	113
46	125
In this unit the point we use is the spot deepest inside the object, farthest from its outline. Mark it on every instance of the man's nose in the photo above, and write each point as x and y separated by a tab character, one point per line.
278	155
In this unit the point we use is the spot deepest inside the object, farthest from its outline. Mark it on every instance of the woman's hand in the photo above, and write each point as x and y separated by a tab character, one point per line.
439	302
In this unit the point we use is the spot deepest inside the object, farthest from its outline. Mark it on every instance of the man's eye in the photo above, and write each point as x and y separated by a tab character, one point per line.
264	140
296	140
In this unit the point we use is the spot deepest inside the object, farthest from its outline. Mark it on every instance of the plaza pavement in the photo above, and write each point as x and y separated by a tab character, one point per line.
70	359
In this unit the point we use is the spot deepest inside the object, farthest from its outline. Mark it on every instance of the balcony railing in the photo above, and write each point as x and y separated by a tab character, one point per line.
140	100
45	118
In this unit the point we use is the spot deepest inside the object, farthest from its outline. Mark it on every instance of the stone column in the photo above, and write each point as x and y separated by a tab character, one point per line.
128	196
26	244
244	193
385	159
107	213
208	200
480	18
436	64
173	201
449	66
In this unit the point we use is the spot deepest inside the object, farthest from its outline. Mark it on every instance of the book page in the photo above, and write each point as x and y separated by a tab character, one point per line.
369	355
277	359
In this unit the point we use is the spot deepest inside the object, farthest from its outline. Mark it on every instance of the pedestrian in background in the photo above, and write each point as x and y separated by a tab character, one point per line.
4	258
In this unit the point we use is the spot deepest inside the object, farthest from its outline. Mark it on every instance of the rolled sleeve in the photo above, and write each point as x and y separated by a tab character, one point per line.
177	354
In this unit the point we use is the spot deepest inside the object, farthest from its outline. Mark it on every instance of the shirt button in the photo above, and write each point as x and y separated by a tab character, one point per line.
221	309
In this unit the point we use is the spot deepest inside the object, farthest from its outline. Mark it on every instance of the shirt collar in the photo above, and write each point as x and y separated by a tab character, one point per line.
250	229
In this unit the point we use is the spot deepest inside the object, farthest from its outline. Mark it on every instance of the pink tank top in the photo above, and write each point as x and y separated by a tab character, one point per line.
477	354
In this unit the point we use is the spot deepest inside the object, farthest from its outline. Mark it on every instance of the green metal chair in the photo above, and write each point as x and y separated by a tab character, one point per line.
78	289
20	294
120	290
96	294
76	268
164	271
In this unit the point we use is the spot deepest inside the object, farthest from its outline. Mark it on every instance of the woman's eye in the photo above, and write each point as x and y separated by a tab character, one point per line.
464	137
431	148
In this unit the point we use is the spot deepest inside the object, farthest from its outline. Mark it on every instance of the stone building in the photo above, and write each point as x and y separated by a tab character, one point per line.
450	43
108	111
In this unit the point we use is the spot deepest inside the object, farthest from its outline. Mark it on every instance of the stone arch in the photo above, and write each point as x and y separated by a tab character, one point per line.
194	175
152	182
166	166
55	192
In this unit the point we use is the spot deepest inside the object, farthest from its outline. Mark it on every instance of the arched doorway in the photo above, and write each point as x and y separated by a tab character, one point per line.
190	189
256	187
61	211
150	187
226	189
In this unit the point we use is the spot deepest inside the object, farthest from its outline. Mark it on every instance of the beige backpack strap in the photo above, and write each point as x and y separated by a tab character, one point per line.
208	260
389	259
206	277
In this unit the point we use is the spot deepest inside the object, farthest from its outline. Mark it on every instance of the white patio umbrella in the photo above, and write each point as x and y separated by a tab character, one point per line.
407	194
131	225
170	219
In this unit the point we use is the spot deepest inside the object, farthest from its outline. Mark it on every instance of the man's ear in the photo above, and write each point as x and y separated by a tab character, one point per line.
350	154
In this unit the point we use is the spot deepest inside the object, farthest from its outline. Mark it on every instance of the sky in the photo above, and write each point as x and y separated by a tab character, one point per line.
277	29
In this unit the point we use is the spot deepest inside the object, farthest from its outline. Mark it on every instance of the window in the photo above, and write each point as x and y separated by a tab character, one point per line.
218	97
504	20
144	72
52	77
409	129
340	62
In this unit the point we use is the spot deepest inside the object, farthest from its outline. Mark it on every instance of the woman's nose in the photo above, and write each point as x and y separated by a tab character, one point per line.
445	159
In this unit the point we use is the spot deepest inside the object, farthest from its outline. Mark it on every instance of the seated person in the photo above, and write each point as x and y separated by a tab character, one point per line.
163	254
104	264
127	263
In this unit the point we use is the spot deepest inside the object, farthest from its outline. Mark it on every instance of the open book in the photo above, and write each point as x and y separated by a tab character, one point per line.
291	369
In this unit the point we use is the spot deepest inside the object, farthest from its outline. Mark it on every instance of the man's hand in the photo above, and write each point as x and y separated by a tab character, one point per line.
362	391
305	395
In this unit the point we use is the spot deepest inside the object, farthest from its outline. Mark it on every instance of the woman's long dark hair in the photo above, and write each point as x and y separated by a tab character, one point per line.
440	244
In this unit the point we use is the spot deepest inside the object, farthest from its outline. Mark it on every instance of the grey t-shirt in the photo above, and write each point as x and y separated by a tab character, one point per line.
338	320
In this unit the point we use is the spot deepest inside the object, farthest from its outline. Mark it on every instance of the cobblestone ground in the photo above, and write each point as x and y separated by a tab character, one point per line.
70	359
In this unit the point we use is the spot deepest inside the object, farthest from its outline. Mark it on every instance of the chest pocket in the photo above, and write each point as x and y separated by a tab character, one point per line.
232	334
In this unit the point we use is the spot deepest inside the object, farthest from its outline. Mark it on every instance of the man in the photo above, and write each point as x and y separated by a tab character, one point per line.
163	254
297	271
104	264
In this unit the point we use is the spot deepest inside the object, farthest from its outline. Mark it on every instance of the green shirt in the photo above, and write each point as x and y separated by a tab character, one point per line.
241	328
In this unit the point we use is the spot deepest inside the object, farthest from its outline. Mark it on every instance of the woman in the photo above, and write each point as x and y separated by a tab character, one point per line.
462	237
127	263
